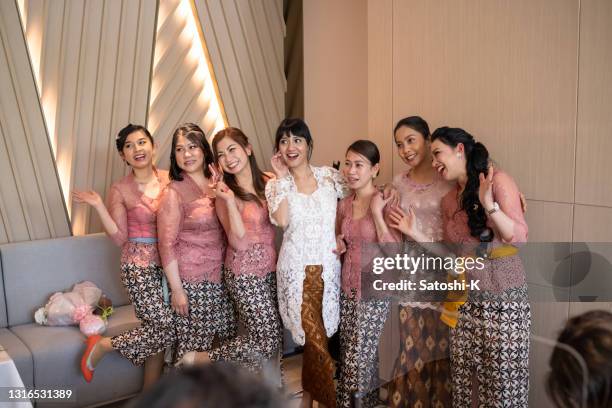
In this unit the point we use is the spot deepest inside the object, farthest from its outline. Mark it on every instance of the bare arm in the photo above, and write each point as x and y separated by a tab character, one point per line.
110	222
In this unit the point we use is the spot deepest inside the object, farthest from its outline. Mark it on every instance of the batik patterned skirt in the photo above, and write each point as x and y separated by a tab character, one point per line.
421	374
211	315
156	331
490	350
256	305
361	324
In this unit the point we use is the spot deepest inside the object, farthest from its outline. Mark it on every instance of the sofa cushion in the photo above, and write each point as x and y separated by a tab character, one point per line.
57	351
34	270
20	354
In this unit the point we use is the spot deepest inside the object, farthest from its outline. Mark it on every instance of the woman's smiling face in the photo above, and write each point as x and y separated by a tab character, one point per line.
294	150
231	156
189	155
138	150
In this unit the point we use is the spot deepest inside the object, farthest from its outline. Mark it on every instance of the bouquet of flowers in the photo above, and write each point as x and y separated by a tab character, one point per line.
83	305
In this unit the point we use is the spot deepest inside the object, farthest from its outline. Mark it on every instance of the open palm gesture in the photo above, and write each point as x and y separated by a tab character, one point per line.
485	192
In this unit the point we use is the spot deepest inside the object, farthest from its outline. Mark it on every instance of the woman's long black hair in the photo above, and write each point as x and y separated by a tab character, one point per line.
477	161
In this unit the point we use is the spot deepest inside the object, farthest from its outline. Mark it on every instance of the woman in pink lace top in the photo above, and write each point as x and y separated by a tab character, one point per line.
360	223
131	222
251	256
490	342
424	383
192	247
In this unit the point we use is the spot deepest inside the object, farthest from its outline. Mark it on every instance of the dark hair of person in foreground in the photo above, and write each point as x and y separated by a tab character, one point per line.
218	385
589	336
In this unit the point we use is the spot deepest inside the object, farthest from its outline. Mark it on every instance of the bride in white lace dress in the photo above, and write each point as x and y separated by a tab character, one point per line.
302	200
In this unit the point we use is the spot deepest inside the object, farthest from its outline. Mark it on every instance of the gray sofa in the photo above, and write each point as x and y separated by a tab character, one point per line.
50	356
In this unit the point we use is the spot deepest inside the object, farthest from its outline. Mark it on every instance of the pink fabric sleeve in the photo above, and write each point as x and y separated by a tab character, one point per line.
118	212
223	215
169	221
393	235
506	194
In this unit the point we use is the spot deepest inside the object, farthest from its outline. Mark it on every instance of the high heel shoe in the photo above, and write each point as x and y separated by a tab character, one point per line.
86	367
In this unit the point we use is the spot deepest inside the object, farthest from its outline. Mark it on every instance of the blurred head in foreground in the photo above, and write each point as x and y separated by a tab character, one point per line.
218	385
581	363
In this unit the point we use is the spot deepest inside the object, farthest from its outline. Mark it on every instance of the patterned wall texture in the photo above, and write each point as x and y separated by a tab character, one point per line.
98	65
31	204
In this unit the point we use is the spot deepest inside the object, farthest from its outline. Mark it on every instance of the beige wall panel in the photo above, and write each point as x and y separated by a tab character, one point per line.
591	275
266	49
95	65
380	83
594	142
504	70
549	222
335	75
548	316
31	206
294	58
176	87
578	308
248	79
592	224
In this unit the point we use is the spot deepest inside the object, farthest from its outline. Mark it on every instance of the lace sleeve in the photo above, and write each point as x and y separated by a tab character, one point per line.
118	212
506	194
277	190
169	220
340	185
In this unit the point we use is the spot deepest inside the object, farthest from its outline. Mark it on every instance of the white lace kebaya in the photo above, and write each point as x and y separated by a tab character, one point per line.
309	239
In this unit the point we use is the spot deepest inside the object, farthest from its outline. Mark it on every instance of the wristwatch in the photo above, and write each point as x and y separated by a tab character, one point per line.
494	209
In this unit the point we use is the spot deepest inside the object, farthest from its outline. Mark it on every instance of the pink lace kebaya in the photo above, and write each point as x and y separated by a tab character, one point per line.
135	215
499	274
190	232
255	253
358	233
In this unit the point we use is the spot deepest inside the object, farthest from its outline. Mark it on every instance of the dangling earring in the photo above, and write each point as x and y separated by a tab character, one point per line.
459	156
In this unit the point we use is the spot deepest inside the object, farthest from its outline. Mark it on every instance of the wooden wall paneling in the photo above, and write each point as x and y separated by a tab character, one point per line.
591	273
246	64
176	86
136	55
592	224
15	225
594	142
548	315
32	207
294	58
213	45
269	31
32	15
335	75
231	53
246	68
380	84
99	49
95	62
549	221
514	89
